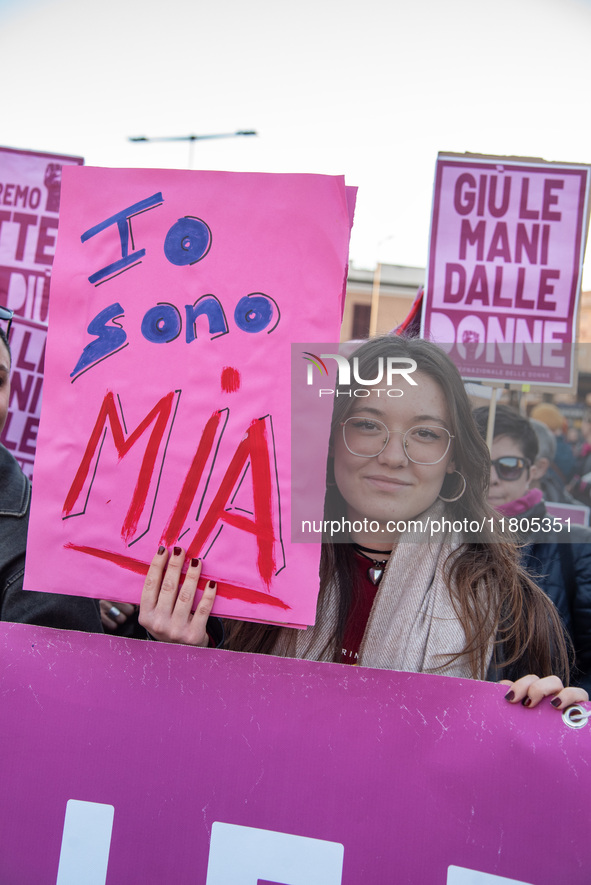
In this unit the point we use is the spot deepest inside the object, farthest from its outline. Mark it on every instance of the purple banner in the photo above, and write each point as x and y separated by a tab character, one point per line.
505	264
165	763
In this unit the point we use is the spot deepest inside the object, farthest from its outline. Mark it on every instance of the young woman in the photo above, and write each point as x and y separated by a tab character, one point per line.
408	587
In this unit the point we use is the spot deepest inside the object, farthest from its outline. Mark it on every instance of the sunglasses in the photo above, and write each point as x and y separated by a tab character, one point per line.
510	467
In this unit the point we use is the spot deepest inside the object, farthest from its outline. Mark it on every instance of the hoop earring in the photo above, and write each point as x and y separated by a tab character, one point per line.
457	497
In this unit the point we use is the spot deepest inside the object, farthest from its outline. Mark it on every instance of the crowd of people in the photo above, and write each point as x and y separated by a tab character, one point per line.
503	605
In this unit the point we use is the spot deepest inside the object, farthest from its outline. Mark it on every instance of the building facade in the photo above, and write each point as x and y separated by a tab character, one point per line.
379	300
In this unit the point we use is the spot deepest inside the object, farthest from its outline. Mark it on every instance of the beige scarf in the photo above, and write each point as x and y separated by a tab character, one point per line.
413	625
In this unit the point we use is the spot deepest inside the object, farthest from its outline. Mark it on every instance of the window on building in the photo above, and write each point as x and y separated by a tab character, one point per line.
361	318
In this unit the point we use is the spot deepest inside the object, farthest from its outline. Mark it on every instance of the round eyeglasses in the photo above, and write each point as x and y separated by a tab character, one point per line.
423	444
510	467
6	316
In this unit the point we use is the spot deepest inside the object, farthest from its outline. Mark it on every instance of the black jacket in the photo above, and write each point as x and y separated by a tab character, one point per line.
560	563
16	604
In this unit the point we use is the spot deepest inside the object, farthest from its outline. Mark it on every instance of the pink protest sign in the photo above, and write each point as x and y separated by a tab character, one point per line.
505	263
578	514
192	765
166	415
30	198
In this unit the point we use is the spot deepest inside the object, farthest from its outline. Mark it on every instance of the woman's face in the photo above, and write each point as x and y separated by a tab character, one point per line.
390	486
502	491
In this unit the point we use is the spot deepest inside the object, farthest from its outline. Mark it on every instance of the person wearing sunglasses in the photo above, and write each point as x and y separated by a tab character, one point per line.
400	587
18	605
558	560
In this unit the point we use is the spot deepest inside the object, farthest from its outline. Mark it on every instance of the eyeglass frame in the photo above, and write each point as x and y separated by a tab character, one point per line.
7	314
525	466
404	445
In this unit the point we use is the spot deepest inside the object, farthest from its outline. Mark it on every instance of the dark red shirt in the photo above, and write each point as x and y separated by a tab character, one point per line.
359	614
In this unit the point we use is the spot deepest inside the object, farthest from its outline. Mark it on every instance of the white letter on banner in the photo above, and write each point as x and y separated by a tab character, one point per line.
245	855
343	364
464	876
86	841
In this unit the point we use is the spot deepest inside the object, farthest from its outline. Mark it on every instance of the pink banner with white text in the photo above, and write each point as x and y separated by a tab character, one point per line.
166	763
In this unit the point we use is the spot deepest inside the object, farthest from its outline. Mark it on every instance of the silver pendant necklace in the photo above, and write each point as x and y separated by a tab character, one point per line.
378	566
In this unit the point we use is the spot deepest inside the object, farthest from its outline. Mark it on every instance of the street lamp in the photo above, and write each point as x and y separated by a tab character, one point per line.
193	138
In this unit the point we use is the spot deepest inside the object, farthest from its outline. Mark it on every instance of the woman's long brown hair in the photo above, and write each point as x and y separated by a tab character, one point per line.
528	633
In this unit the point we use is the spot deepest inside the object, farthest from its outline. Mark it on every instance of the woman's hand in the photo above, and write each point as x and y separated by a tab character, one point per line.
113	614
530	690
165	607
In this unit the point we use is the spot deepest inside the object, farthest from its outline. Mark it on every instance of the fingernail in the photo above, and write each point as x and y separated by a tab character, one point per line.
556	702
194	562
212	585
161	550
510	696
177	551
526	702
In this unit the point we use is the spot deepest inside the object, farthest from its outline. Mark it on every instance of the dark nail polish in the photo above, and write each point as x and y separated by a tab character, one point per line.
510	696
556	702
177	551
161	550
194	562
212	585
526	702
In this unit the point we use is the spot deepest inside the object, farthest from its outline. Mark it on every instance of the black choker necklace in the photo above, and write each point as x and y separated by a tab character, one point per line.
369	549
376	570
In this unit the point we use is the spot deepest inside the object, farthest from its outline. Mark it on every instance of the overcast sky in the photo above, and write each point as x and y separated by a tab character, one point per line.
372	89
